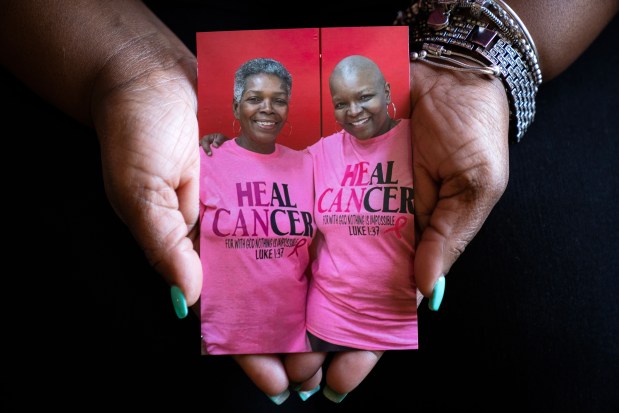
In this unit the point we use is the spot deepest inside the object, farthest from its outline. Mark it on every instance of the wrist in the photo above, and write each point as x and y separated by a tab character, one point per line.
426	77
471	106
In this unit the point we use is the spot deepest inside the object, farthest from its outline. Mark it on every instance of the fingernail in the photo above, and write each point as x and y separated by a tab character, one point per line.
280	398
296	386
179	302
437	294
304	395
332	395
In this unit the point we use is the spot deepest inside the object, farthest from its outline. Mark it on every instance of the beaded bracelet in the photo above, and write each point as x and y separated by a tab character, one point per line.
480	36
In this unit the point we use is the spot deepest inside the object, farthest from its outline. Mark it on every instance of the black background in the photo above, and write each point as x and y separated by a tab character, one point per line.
529	321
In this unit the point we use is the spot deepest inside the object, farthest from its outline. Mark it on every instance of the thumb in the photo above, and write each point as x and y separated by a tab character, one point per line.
180	266
172	248
164	222
452	222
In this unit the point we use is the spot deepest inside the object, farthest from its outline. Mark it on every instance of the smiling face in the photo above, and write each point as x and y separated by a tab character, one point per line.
360	97
262	112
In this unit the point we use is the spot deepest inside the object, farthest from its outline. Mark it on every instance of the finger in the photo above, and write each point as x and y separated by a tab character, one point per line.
313	383
171	252
426	197
268	374
310	387
181	264
212	140
218	139
304	369
305	372
163	221
347	370
204	143
462	208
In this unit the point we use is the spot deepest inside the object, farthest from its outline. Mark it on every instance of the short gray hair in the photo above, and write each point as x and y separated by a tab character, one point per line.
258	66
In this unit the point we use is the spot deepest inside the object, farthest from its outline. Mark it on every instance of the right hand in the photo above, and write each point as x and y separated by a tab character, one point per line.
212	139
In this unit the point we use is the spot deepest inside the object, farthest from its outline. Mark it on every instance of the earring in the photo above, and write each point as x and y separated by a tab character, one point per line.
394	110
233	131
289	128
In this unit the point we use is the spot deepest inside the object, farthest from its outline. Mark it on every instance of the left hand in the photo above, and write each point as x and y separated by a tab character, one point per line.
459	128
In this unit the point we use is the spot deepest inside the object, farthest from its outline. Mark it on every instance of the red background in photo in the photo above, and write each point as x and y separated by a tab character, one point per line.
310	55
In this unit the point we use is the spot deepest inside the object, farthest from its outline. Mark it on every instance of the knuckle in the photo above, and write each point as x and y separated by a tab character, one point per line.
485	181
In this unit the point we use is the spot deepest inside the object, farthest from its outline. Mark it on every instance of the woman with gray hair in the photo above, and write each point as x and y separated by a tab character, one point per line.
256	226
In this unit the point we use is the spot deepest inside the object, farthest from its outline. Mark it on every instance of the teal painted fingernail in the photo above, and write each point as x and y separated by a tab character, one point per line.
179	302
304	395
437	294
332	395
280	398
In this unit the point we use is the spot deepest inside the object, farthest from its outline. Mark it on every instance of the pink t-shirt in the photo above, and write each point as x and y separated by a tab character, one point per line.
256	225
362	292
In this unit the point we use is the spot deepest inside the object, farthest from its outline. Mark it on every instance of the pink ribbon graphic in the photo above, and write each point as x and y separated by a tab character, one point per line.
399	224
301	243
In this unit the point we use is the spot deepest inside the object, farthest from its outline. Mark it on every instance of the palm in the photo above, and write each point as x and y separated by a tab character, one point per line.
460	163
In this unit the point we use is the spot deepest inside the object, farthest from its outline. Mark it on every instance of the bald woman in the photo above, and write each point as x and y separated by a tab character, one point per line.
362	294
